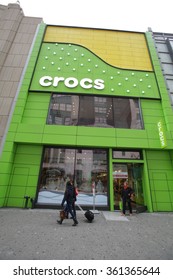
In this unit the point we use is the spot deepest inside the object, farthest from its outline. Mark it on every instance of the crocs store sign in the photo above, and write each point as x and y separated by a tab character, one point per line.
71	82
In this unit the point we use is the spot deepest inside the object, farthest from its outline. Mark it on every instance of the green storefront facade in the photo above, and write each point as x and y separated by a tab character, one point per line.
79	115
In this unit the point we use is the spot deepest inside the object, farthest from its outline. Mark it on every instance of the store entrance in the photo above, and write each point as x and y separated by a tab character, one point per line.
131	172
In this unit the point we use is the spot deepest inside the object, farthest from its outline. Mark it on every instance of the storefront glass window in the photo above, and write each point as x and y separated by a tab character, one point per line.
127	154
87	167
95	111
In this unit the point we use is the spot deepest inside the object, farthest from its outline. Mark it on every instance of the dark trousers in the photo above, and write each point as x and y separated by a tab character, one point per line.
71	211
74	209
127	201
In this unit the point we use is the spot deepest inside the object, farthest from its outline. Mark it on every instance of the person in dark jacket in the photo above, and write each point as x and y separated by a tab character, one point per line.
75	193
69	198
126	194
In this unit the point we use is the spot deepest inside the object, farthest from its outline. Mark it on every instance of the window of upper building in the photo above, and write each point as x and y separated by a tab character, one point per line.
95	111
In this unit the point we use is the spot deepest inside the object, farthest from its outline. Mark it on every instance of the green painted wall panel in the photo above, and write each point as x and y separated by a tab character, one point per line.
36	120
51	139
153	143
159	185
170	182
27	159
152	114
1	201
60	130
19	180
7	157
160	172
132	143
171	195
162	196
36	109
151	119
33	129
155	207
153	197
34	113
5	168
28	138
15	202
156	155
17	191
99	132
148	105
131	138
169	173
131	133
10	136
31	192
37	105
34	170
159	166
2	191
18	110
21	171
25	174
16	118
29	149
32	180
164	207
8	146
13	127
90	141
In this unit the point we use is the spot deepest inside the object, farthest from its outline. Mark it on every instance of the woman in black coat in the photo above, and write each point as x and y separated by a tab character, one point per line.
70	198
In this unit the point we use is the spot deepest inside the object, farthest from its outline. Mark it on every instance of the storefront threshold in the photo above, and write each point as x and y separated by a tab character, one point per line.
141	209
114	216
55	206
136	209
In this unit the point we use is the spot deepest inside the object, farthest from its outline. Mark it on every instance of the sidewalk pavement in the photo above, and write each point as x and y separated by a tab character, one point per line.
33	234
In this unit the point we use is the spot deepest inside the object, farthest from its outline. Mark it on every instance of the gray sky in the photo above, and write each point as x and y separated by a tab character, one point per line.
131	15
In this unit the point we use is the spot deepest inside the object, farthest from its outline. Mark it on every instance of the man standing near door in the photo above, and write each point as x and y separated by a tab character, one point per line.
126	195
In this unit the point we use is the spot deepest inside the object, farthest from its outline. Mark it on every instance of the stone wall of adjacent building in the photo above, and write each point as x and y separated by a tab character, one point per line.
17	34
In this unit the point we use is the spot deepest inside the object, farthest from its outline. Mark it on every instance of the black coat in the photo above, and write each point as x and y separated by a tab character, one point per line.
70	194
126	193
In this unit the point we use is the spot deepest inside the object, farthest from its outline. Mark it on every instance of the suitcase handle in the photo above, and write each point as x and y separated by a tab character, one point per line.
80	208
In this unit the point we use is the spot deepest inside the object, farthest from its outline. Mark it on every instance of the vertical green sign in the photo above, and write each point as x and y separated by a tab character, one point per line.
161	135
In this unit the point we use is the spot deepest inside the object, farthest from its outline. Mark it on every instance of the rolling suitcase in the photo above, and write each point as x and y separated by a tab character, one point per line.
88	214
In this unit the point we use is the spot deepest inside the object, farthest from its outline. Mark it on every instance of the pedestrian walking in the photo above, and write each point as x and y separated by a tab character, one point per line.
69	198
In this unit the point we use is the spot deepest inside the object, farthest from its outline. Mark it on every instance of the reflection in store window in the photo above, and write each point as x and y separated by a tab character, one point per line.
95	111
127	154
87	167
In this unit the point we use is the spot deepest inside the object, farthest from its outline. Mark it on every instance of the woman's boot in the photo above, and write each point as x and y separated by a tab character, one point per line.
75	222
60	222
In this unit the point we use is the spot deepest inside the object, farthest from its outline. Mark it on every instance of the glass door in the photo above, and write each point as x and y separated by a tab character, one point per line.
120	175
131	172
